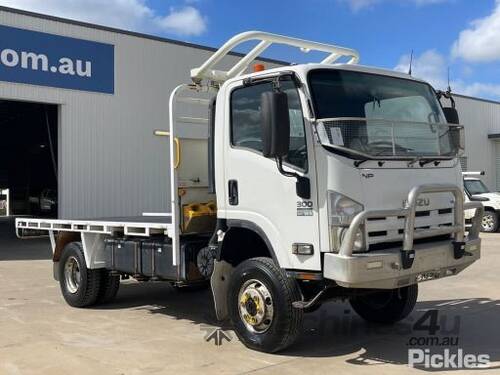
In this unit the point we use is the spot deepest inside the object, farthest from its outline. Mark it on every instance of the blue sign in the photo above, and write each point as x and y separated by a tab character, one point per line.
51	60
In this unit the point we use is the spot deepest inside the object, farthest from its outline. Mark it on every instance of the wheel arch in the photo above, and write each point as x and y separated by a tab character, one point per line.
63	239
255	243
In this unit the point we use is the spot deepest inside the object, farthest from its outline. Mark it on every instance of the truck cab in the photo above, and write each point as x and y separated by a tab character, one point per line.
347	178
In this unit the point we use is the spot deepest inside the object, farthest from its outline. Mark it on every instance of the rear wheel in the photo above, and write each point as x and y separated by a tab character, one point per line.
387	306
80	286
489	222
109	287
260	305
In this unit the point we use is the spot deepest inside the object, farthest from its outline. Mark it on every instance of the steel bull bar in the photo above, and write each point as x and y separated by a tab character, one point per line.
340	265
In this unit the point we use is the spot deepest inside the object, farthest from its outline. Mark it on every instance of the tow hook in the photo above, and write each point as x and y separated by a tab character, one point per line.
459	250
407	258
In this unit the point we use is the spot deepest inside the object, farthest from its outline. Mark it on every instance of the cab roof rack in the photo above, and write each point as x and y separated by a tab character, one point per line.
207	71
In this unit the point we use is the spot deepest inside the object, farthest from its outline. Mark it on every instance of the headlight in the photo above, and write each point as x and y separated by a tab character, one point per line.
337	235
341	209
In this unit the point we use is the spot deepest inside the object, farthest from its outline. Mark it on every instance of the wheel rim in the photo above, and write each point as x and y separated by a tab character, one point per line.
72	275
488	221
255	306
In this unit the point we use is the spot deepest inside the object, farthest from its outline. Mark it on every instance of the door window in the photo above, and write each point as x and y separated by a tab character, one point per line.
246	129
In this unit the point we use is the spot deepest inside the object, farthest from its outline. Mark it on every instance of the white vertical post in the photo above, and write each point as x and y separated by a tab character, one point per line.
174	197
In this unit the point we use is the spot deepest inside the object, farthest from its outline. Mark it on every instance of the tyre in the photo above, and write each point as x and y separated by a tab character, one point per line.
489	222
387	306
80	286
260	305
109	285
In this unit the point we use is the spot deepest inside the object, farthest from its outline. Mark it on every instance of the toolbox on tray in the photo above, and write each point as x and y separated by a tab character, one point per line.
123	256
157	260
153	258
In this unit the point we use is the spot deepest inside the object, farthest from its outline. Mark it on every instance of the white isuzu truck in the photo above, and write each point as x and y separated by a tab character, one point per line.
312	182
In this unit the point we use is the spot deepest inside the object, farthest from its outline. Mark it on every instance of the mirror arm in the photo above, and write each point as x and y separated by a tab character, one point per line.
446	94
302	186
279	164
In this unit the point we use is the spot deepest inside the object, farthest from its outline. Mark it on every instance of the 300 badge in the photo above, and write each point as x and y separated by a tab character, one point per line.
304	208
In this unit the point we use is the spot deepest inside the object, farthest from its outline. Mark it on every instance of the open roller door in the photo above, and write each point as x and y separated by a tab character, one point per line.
28	159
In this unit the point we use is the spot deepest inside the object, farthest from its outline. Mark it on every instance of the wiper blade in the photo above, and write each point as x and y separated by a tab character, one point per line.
423	161
427	161
357	163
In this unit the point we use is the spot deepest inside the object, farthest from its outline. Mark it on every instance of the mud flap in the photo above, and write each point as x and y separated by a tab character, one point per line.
220	286
55	270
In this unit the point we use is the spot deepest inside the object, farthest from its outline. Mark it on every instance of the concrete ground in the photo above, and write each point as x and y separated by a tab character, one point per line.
151	329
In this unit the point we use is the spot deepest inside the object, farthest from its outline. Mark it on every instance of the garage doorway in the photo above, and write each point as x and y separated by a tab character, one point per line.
28	158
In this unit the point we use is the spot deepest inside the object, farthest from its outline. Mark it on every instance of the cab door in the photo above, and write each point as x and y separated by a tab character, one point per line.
258	196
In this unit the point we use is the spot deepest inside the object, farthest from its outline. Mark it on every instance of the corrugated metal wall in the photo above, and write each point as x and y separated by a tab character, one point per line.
480	118
110	164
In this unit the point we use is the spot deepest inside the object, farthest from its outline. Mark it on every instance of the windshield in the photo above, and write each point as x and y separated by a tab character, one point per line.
377	115
474	187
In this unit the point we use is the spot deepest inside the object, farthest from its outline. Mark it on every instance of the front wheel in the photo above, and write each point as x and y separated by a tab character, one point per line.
260	305
386	306
489	222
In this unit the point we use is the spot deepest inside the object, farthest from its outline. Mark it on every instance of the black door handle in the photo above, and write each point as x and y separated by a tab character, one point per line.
233	192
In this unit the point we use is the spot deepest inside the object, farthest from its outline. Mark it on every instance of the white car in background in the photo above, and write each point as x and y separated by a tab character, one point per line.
3	204
476	190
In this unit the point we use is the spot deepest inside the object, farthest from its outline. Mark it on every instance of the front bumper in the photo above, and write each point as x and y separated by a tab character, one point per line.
410	264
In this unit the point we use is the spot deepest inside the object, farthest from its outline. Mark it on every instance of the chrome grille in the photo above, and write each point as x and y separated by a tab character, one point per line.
391	229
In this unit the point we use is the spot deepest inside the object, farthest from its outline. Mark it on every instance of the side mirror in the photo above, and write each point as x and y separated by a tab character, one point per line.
275	121
451	115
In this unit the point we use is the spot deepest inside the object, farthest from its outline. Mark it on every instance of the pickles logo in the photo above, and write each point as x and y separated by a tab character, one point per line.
447	359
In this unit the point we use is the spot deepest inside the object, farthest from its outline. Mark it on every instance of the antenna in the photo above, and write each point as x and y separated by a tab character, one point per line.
449	86
411	62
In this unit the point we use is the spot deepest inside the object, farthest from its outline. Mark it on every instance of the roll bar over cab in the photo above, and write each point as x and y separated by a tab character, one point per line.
312	203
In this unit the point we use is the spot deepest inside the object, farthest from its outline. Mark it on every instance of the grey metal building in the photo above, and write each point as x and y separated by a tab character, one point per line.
83	126
102	115
481	119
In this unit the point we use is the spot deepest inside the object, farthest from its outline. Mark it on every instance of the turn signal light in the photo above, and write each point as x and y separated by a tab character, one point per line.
302	249
258	68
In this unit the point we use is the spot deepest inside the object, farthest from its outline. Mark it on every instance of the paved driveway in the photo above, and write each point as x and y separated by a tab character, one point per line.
151	329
